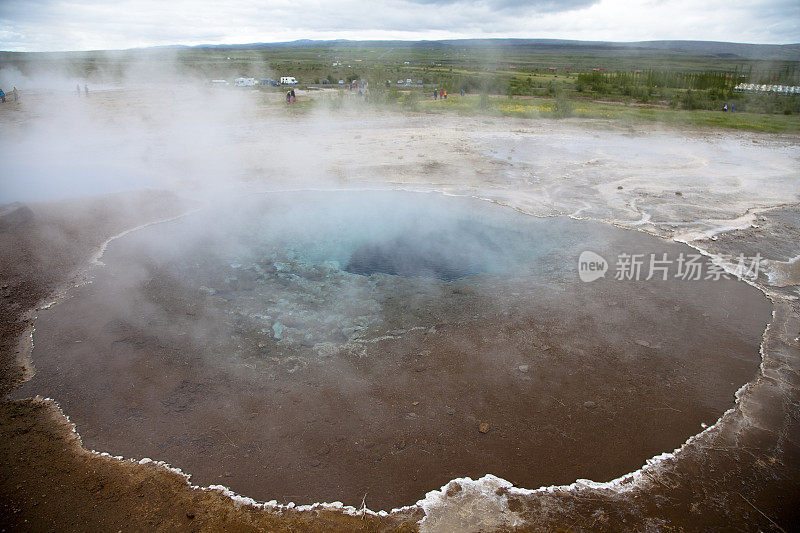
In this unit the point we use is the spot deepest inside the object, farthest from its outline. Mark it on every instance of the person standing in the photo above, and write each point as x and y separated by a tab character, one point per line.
15	92
86	89
2	96
293	96
78	89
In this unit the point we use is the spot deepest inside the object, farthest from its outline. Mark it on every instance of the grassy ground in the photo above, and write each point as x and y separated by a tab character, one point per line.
595	81
563	108
549	108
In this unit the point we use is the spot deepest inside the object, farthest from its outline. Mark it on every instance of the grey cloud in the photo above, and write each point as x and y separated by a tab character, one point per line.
535	6
37	25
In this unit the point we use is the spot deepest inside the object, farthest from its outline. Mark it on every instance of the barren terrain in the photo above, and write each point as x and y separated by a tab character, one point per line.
723	194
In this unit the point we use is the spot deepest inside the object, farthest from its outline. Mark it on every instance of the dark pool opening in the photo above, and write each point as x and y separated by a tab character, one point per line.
413	235
422	255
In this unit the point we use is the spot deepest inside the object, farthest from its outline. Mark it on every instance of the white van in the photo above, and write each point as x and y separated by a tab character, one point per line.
244	82
288	80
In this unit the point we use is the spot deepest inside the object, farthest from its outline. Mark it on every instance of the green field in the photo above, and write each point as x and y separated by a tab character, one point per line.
549	108
676	83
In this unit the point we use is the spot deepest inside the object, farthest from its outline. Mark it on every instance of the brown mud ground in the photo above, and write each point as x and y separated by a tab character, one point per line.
612	372
51	482
742	474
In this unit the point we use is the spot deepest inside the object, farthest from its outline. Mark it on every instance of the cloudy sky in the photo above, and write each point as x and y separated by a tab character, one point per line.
41	25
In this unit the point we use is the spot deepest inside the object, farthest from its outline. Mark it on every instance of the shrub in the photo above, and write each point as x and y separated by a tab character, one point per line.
562	107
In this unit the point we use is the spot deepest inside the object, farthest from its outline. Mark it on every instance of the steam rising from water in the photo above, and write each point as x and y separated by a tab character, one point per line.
146	123
187	137
239	336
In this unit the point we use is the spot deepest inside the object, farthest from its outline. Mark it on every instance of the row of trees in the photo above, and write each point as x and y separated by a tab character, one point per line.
603	82
687	90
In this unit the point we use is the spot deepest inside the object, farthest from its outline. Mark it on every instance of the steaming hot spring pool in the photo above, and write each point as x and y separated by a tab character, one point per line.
320	346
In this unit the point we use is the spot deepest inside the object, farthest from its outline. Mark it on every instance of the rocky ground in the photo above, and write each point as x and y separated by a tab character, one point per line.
722	193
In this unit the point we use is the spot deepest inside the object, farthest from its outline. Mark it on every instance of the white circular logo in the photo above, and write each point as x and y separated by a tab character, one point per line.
591	266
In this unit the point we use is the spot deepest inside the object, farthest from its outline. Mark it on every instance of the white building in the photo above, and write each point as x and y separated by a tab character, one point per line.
756	88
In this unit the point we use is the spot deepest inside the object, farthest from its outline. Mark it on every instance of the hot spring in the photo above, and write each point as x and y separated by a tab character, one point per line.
323	346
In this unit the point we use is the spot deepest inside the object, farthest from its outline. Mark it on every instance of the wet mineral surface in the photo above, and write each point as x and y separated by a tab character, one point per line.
326	346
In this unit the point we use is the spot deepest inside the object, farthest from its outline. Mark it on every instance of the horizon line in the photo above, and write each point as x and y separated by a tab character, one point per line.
342	40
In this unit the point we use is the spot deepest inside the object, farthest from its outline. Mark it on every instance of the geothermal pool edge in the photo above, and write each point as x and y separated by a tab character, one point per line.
637	479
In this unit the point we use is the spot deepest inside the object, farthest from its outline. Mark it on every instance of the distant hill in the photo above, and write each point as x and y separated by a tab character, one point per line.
784	52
